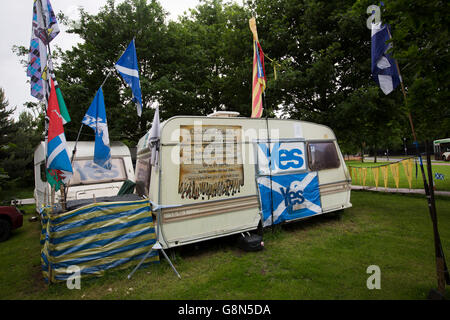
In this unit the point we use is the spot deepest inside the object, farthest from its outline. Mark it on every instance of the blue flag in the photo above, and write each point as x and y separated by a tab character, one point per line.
95	118
384	69
127	66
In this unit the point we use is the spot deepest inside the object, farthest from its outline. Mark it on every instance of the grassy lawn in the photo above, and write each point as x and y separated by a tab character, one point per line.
441	185
321	258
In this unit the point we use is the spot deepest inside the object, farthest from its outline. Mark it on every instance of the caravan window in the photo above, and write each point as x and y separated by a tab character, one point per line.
143	172
323	155
87	172
43	172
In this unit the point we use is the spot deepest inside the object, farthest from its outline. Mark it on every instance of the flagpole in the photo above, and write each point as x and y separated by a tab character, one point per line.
441	265
46	124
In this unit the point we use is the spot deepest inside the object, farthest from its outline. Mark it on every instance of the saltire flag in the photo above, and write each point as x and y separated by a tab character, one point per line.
384	69
289	197
95	118
128	68
154	138
259	73
44	29
58	162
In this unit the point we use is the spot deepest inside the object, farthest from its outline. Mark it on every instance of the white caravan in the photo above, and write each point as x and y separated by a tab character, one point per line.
89	180
222	175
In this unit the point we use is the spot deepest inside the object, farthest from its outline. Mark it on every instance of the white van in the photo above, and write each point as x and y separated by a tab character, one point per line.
217	175
89	180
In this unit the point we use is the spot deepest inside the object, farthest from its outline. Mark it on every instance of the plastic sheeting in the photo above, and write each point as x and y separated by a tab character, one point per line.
96	238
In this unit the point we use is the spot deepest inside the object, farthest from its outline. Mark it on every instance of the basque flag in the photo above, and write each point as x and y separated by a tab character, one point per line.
128	68
57	154
384	69
95	118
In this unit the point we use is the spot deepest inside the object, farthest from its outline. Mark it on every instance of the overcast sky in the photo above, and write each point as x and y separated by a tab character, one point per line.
15	23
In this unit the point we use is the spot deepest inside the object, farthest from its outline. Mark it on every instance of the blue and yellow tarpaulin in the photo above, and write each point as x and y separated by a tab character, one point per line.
96	237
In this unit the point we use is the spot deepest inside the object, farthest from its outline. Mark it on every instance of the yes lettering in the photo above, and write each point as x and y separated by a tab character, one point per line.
282	158
292	198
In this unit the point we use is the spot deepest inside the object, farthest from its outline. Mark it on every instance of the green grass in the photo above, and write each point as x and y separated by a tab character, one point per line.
441	185
321	258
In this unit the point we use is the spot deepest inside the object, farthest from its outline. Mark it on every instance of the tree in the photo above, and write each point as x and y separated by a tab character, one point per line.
211	59
326	79
7	126
19	161
83	69
420	43
7	131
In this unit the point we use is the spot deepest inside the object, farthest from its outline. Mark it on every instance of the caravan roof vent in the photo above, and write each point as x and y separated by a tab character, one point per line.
224	114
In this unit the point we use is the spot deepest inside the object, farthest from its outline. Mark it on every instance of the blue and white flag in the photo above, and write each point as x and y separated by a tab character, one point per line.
128	68
384	69
293	196
57	155
95	118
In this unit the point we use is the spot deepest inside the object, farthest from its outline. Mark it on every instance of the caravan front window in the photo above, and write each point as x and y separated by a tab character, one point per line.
323	155
87	172
143	172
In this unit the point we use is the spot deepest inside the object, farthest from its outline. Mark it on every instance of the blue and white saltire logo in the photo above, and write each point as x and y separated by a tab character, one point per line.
283	157
128	68
58	156
95	118
439	176
384	69
293	197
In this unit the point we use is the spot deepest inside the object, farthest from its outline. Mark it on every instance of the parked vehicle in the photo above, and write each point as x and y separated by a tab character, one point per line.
11	219
442	149
222	175
89	180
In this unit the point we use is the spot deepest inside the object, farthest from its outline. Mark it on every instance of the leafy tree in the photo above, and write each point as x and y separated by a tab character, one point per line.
7	131
7	126
211	58
420	43
19	161
105	36
326	47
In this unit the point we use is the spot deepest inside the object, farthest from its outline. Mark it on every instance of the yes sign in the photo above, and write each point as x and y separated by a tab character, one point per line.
292	198
283	157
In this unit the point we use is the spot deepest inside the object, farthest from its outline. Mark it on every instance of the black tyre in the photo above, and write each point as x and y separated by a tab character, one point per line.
5	230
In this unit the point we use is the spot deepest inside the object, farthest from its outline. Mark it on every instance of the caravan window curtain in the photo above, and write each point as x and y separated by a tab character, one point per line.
323	155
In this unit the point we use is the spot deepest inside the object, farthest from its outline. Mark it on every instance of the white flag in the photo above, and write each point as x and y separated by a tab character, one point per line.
154	139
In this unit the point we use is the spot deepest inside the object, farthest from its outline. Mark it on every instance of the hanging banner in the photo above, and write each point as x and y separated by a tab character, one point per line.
395	173
293	196
211	161
385	176
408	167
364	176
283	157
376	174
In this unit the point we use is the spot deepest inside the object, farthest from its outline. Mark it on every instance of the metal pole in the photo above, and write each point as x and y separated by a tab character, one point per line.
270	159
